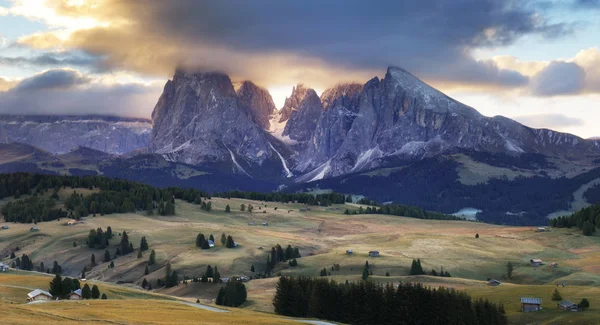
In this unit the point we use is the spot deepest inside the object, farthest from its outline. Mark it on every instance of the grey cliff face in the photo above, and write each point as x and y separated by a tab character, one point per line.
402	117
61	134
340	108
302	123
257	102
199	120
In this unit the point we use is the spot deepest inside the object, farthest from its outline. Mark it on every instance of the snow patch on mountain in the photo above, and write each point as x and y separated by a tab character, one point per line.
235	163
283	163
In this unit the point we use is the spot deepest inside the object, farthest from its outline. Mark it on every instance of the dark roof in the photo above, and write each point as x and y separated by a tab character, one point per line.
566	303
534	301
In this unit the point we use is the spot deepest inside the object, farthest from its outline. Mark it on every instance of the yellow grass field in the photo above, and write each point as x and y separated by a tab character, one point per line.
323	235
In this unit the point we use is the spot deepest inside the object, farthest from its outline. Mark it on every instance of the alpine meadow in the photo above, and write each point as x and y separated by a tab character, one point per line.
300	162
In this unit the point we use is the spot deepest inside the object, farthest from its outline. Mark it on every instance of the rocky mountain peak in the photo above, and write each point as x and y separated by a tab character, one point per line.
292	103
345	95
303	120
257	102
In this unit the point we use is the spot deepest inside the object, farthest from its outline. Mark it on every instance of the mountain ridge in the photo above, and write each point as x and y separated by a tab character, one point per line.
395	118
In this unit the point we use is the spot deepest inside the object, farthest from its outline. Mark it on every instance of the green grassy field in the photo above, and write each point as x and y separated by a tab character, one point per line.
326	233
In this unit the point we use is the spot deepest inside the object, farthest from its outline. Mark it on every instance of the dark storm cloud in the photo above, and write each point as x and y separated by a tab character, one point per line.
51	79
69	92
433	39
424	36
559	78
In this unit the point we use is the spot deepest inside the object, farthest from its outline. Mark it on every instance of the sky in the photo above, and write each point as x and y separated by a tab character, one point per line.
536	61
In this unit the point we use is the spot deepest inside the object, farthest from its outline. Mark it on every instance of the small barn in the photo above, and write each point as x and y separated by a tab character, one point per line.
75	295
349	252
494	283
535	262
211	243
541	229
71	222
34	229
4	227
568	306
374	253
3	267
38	295
265	224
531	304
250	223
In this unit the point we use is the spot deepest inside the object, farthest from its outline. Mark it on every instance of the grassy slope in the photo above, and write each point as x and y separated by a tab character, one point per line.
125	306
328	233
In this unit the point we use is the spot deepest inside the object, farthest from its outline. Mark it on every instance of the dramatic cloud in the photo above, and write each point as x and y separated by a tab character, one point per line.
559	78
52	79
59	59
550	121
65	91
275	41
590	61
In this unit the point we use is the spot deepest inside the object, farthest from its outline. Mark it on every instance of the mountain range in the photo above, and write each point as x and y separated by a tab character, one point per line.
393	139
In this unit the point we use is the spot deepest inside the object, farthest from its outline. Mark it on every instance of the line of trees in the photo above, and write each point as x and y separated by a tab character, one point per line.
278	254
586	219
324	199
399	210
232	294
367	303
61	288
115	196
32	210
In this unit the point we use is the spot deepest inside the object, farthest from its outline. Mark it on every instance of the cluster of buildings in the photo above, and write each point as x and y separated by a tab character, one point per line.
41	295
535	304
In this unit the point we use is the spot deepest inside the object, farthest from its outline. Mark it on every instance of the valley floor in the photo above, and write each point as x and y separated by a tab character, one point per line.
323	235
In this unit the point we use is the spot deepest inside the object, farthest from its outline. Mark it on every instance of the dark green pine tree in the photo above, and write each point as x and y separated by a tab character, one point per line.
95	292
216	275
230	243
146	272
152	259
209	271
93	259
144	283
143	244
211	238
106	256
125	247
139	255
227	209
104	297
200	240
86	292
56	286
220	296
223	239
365	274
252	268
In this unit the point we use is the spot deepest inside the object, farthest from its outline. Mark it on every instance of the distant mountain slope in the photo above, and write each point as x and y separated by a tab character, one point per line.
61	134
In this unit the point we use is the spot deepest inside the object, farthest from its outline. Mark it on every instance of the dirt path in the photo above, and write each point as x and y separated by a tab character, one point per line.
16	287
209	308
